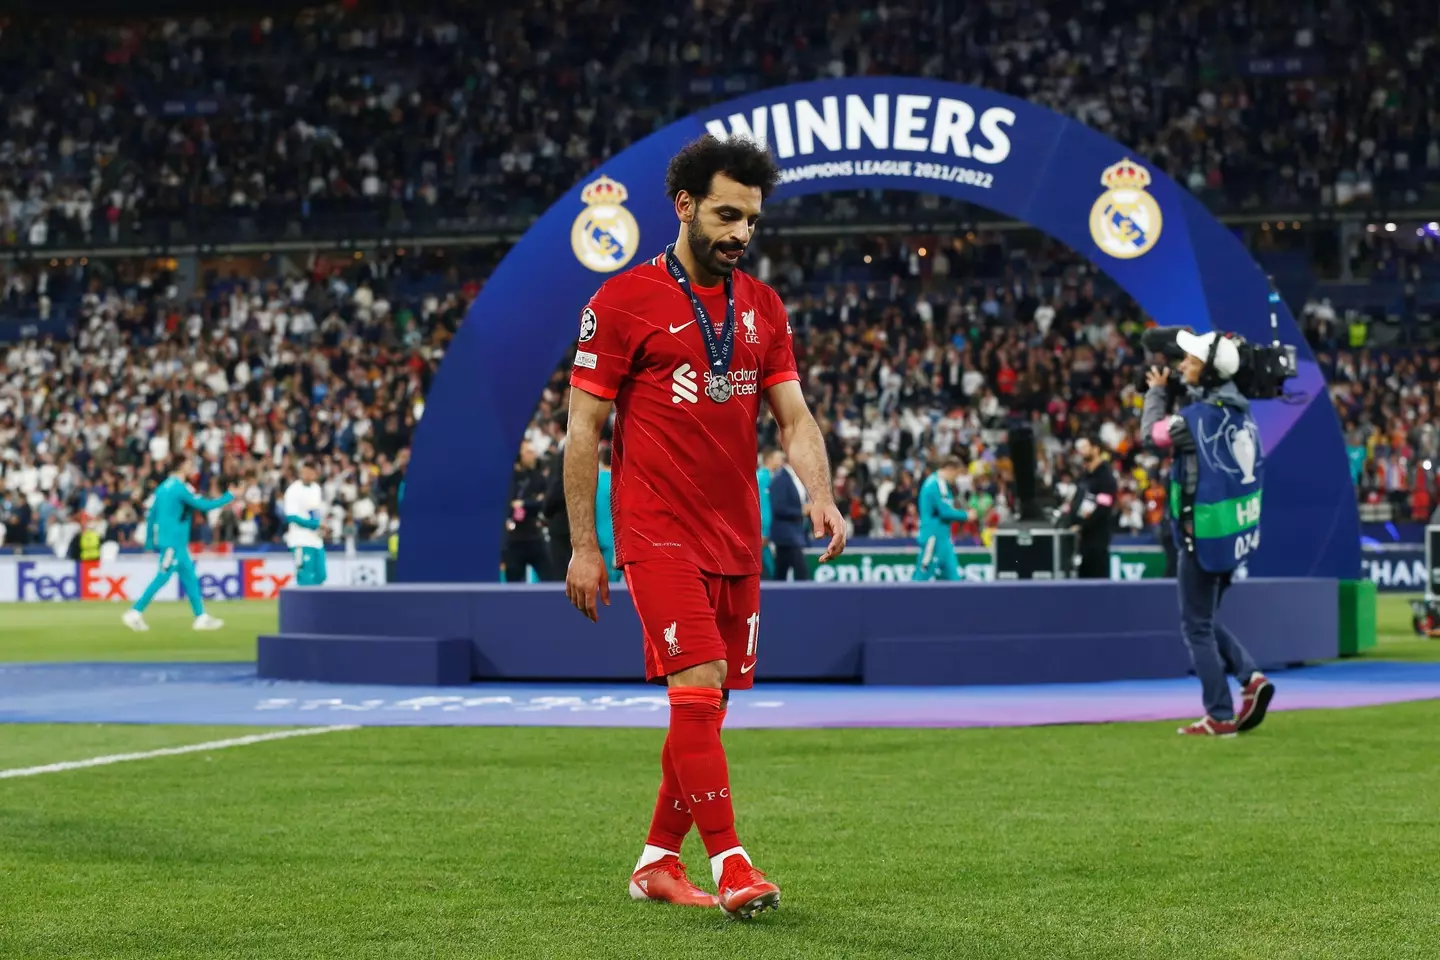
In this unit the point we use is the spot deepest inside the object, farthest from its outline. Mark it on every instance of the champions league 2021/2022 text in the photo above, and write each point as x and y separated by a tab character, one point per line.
889	168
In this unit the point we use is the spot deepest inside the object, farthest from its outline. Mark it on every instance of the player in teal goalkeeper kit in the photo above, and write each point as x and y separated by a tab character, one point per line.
763	476
937	512
604	526
167	529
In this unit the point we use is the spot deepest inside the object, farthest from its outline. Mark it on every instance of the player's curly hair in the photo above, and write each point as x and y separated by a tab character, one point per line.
739	158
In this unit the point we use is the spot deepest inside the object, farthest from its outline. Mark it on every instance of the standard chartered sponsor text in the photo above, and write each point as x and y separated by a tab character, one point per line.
835	169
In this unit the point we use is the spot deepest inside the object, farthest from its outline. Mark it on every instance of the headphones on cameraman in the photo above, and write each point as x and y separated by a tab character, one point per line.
1209	378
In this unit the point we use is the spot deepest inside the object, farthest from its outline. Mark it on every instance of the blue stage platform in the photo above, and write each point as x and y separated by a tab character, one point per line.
885	633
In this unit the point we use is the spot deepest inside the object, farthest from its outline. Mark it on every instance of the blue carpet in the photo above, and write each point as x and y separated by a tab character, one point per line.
230	693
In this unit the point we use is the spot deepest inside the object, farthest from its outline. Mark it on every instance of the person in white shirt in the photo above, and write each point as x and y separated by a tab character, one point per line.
304	507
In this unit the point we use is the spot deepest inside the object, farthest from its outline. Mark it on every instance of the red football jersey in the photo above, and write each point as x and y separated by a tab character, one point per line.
684	465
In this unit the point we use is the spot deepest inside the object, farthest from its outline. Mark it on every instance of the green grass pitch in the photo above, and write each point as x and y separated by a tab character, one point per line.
1316	837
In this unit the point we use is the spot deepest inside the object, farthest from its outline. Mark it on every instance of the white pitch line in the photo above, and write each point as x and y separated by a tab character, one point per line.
169	751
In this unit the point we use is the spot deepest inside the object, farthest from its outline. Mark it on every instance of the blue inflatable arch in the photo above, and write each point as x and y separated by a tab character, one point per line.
1134	223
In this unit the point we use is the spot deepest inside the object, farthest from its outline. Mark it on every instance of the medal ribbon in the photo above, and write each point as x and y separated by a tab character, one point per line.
719	348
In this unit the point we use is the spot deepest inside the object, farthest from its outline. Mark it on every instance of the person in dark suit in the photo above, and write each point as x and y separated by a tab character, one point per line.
557	519
787	524
524	536
1091	510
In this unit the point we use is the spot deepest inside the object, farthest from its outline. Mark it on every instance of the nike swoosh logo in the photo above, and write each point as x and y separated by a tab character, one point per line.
681	327
746	669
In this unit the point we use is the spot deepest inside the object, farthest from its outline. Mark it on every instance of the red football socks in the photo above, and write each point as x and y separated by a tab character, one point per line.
672	818
698	759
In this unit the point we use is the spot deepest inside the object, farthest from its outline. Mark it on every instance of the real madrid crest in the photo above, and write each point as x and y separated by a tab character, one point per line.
605	235
1125	222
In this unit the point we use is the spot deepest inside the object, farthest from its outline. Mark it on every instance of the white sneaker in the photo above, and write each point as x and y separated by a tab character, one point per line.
207	622
135	620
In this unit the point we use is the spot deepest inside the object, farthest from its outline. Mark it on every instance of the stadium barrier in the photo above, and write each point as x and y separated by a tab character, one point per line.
122	580
895	563
259	576
1393	568
904	633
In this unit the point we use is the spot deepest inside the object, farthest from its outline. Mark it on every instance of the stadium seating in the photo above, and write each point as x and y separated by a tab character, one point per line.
344	124
906	358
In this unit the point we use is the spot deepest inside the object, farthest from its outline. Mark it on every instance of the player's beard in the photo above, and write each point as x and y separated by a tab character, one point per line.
707	252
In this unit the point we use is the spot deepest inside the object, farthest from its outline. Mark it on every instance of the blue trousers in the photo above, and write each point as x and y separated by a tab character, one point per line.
937	559
310	568
172	561
1214	650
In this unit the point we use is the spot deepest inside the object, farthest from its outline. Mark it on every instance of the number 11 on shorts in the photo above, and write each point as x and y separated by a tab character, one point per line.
754	624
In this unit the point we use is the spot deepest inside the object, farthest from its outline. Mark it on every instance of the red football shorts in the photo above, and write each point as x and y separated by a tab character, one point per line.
690	617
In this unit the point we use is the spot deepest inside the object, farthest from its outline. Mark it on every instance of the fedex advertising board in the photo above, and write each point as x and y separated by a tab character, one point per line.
255	577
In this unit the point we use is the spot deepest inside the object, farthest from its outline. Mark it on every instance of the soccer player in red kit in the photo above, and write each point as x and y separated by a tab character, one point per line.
683	347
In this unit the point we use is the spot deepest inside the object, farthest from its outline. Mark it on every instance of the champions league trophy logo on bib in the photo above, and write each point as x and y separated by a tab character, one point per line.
1244	446
1241	438
605	235
1125	222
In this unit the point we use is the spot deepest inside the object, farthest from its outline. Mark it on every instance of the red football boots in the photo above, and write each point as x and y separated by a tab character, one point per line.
665	880
744	891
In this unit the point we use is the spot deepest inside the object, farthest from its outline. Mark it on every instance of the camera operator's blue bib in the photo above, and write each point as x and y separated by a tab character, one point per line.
1225	511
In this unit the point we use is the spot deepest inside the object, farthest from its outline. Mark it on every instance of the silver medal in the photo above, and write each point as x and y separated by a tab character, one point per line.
719	389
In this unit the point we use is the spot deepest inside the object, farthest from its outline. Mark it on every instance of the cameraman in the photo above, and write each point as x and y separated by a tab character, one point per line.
1217	473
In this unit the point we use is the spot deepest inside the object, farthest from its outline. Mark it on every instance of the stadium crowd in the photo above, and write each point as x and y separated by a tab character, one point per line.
1387	402
906	356
452	115
327	363
445	116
